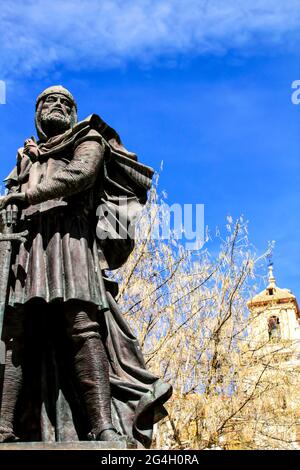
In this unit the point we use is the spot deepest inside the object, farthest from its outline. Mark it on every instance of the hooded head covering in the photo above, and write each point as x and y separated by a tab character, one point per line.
56	89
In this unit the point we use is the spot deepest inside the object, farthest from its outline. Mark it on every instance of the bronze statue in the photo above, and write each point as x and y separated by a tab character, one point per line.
73	369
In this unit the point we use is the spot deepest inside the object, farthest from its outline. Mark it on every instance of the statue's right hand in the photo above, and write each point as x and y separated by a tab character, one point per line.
10	214
10	206
13	198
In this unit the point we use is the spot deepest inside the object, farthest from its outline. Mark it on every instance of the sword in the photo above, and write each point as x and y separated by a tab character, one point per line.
7	238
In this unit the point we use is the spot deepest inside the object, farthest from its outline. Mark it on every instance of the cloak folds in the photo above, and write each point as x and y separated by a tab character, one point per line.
55	411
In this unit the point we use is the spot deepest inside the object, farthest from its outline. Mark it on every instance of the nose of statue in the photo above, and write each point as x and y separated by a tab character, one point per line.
58	103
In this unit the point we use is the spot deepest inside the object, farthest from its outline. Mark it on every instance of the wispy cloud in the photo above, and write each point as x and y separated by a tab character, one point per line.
39	35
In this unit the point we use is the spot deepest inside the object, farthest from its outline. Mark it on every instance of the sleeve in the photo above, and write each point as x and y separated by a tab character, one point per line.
80	174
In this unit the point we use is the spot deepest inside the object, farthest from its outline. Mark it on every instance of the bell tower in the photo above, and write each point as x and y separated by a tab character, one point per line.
275	314
275	330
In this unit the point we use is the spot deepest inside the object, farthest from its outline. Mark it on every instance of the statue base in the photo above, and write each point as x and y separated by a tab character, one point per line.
75	445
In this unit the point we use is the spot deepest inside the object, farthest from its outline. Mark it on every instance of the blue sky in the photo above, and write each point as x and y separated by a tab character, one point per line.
203	85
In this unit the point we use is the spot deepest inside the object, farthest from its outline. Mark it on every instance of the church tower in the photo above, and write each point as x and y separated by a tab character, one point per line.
275	331
275	316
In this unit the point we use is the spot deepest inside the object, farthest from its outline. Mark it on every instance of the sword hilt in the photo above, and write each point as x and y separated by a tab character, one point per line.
14	237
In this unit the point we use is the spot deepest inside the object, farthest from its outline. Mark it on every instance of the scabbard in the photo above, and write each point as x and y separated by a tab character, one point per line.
5	259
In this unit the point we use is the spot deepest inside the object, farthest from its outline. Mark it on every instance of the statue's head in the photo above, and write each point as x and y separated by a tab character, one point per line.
56	112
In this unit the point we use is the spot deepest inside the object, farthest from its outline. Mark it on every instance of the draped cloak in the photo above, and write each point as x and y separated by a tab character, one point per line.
72	240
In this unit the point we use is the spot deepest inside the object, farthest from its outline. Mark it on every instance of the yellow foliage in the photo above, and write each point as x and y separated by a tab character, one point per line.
188	311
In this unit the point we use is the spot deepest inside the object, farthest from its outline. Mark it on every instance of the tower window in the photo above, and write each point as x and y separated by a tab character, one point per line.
274	328
271	291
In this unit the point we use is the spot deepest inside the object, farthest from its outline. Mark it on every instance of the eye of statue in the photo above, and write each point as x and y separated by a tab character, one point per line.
66	103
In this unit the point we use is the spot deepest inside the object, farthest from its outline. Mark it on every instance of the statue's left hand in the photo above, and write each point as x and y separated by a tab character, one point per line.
14	198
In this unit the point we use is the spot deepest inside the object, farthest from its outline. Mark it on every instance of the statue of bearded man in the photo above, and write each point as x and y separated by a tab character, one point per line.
73	369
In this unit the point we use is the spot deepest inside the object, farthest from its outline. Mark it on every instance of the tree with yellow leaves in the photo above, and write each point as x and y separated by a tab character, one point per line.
189	312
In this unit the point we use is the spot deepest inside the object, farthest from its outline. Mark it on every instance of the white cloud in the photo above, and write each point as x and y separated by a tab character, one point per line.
38	35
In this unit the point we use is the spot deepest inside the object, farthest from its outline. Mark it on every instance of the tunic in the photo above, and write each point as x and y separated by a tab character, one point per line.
59	261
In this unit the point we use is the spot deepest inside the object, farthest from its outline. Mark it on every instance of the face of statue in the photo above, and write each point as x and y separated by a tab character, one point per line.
56	114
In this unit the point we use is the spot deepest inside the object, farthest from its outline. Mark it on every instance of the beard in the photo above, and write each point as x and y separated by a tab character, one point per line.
54	123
